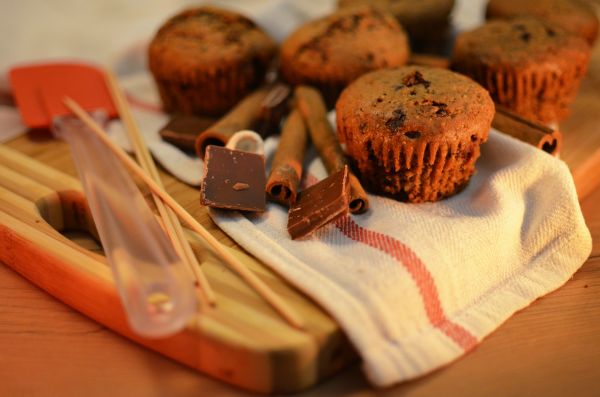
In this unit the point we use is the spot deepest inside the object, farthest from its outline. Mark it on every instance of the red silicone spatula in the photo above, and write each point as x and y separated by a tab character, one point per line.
39	91
153	283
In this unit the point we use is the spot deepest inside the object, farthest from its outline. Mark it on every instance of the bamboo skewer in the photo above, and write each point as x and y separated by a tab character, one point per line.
170	221
256	283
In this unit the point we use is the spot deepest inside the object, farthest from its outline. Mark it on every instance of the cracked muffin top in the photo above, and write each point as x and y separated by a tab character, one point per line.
575	16
333	51
520	41
415	102
204	36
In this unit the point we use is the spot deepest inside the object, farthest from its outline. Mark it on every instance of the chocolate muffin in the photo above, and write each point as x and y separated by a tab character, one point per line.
528	65
414	133
575	16
330	52
426	21
205	59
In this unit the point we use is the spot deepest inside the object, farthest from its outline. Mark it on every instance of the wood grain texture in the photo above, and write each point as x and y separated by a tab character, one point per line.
242	341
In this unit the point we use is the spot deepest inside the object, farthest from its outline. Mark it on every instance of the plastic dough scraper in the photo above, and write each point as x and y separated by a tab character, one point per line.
154	285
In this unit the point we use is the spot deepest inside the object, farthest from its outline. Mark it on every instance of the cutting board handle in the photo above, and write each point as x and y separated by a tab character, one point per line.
73	207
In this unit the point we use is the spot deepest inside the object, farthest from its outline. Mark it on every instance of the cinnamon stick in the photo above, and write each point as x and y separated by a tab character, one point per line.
505	120
243	116
311	105
536	134
286	169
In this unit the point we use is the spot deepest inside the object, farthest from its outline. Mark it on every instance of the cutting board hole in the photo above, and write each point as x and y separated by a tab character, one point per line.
68	213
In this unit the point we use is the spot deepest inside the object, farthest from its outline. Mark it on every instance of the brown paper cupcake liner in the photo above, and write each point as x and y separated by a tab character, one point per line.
541	95
426	171
209	92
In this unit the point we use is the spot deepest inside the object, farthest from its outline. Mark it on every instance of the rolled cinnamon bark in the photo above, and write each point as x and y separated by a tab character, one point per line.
286	169
536	134
311	105
242	117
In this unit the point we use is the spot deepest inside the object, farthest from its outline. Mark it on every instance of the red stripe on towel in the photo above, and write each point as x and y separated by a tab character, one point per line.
417	269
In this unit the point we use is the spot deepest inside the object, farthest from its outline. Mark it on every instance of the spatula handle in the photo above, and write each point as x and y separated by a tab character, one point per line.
154	285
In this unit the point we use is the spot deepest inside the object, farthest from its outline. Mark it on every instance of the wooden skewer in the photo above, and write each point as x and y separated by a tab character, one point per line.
256	283
170	221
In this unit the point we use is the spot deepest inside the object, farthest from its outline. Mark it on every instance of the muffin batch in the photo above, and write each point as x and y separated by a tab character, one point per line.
412	133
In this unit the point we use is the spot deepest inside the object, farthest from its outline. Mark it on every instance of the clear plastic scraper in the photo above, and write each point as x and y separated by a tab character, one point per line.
154	284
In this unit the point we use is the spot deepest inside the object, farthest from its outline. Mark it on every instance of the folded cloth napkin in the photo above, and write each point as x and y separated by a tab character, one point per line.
415	286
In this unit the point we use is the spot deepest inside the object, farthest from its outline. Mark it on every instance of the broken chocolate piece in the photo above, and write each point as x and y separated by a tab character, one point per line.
273	109
182	130
233	180
319	204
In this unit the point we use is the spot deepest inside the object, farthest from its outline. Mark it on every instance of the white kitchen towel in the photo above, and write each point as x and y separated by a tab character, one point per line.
415	286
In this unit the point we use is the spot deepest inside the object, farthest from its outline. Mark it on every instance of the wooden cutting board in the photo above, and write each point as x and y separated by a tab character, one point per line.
242	341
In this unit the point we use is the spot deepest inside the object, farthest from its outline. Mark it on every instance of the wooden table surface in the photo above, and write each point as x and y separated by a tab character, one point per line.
551	348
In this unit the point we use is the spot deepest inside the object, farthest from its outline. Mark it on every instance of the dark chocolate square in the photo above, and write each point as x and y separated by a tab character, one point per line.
233	180
182	130
319	204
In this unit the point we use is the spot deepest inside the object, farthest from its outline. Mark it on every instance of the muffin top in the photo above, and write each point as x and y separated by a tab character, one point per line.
207	36
415	102
574	16
519	42
344	45
406	11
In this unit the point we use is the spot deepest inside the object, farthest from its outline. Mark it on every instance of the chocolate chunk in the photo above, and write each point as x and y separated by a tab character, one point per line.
233	180
319	204
416	78
526	37
182	130
412	134
442	108
397	120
